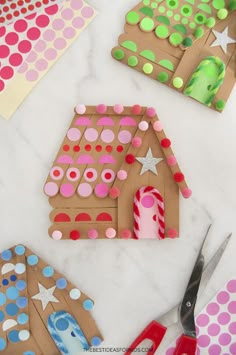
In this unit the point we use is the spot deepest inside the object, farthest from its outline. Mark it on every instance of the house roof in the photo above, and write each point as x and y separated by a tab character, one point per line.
100	147
26	278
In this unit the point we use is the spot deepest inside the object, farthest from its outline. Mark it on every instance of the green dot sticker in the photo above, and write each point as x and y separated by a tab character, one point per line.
218	4
146	2
148	68
220	105
169	13
147	24
199	32
187	42
210	22
184	21
132	61
175	39
200	18
186	10
222	14
161	9
177	17
132	18
163	77
119	54
192	25
172	4
162	31
178	82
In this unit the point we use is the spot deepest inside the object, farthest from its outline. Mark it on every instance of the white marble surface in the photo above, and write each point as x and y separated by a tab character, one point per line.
131	282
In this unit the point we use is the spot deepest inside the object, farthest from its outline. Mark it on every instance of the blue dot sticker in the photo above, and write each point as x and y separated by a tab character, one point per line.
21	285
13	278
48	271
12	309
2	344
22	318
61	283
5	282
32	260
62	324
13	336
20	250
2	298
29	353
96	341
1	316
22	302
12	293
88	305
6	255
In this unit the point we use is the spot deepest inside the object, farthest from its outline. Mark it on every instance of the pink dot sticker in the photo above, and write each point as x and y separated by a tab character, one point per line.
31	57
124	137
4	51
59	43
41	65
50	54
67	14
67	190
223	297
6	72
40	46
20	25
232	307
52	10
231	286
213	308
33	33
224	339
202	320
58	24
84	189
87	12
213	329
32	75
223	318
101	190
232	328
73	134
15	59
2	85
204	341
42	21
214	350
2	31
78	22
76	4
107	136
11	38
56	235
147	201
24	46
23	68
91	134
49	35
69	32
51	189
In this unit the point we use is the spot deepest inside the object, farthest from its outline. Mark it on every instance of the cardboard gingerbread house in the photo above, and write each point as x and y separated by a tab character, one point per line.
189	45
41	312
115	175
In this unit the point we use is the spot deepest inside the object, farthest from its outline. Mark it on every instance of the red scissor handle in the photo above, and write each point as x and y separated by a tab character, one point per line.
154	332
186	346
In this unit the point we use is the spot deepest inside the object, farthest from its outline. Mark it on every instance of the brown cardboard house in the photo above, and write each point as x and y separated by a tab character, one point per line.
41	312
189	45
115	175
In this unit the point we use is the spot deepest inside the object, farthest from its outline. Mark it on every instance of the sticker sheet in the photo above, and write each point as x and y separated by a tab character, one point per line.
115	174
216	324
41	312
188	45
30	46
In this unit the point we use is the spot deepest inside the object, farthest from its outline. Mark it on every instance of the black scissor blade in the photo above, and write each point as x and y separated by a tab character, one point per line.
190	297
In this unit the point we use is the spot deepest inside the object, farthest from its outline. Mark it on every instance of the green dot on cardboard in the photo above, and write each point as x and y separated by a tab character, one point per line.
222	14
210	22
232	5
175	39
200	18
172	4
187	42
132	61
162	31
218	4
148	68
162	77
178	82
147	24
119	54
132	17
220	105
199	32
186	10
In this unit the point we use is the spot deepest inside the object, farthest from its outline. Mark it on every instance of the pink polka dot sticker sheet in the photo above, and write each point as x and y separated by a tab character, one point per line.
30	46
11	11
216	324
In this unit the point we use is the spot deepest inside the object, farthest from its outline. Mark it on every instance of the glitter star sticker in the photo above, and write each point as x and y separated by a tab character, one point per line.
149	163
222	39
45	295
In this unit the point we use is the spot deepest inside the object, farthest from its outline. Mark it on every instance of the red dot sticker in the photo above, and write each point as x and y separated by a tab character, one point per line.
24	46
119	149
51	10
2	85
107	176
98	148
7	73
33	33
11	38
89	175
2	31
76	148
66	148
88	147
4	51
42	21
15	59
20	25
13	6
109	148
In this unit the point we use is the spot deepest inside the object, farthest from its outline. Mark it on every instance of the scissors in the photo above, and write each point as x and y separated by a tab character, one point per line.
183	312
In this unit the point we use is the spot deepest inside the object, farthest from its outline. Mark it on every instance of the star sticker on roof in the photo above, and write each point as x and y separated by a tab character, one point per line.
45	295
222	39
149	162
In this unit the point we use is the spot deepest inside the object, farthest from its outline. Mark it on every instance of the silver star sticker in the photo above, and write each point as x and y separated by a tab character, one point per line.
149	162
45	295
222	39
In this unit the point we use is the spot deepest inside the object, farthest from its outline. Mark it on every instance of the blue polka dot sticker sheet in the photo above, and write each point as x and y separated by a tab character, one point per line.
41	312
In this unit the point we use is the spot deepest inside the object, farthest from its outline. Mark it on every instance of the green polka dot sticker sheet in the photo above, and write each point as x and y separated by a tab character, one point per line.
41	312
216	324
188	45
31	45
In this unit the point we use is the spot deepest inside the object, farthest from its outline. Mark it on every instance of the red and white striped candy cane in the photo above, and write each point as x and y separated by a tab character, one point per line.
160	204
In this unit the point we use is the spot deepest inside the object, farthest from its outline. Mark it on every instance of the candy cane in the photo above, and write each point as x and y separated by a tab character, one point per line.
160	204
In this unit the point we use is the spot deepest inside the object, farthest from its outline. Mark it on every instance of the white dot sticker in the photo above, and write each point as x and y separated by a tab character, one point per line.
75	294
24	335
20	268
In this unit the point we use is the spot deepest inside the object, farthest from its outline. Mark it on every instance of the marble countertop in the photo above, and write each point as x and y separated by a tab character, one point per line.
131	282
